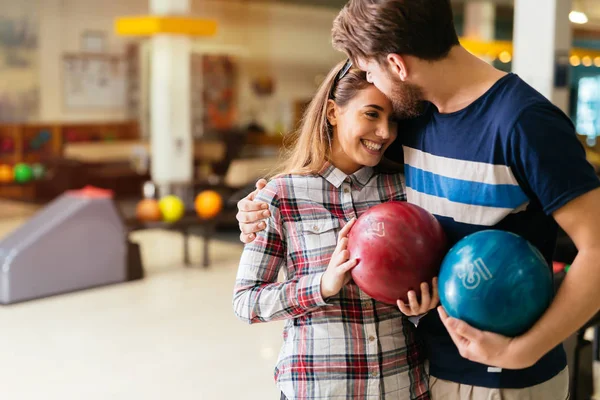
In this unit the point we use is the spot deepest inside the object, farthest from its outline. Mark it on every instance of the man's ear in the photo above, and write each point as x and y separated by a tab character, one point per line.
398	66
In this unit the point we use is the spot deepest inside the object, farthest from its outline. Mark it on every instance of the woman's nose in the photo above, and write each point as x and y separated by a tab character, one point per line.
383	131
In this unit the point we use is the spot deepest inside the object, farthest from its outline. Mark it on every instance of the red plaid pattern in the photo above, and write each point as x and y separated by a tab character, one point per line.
348	346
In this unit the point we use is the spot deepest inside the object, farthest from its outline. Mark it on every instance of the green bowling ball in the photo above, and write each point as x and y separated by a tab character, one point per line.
23	173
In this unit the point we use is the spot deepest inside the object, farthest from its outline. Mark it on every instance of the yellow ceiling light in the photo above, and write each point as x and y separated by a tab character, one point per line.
496	47
575	61
154	25
505	57
587	61
482	48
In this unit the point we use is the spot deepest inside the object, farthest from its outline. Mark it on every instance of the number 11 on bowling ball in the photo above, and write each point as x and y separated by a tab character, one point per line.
399	246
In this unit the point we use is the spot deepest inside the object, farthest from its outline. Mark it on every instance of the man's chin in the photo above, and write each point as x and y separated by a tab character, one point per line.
415	110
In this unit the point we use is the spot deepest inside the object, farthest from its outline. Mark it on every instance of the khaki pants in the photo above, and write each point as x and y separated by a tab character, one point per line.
556	388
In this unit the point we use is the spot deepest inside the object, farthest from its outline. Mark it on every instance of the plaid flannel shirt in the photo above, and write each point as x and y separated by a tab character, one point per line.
348	346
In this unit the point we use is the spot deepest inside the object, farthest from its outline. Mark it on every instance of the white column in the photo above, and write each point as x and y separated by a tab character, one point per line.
50	44
542	41
170	130
480	18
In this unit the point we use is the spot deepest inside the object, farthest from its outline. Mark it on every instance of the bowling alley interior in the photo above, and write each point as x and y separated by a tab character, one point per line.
129	132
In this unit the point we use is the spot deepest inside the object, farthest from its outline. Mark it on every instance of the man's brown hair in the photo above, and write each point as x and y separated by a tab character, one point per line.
372	29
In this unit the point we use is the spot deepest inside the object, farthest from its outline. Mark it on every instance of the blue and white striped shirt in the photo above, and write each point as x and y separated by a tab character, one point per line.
507	161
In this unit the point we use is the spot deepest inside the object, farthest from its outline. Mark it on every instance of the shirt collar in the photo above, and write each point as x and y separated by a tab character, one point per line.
336	177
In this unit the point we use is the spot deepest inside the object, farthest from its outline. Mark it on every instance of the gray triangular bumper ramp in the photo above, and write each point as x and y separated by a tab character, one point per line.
78	241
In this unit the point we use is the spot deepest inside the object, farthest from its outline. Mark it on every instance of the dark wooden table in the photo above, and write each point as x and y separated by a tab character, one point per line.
189	221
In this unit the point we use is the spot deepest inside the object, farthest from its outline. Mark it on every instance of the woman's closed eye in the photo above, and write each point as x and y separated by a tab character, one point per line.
372	114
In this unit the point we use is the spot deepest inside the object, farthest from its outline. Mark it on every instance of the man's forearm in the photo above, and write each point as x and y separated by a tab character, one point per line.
577	300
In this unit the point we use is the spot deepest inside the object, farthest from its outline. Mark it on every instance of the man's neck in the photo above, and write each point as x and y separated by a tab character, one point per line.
457	81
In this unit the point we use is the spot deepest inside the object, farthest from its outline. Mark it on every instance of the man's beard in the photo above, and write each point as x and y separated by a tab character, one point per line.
407	99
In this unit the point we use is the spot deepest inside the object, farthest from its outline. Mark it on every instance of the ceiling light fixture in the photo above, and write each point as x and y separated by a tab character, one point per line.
578	17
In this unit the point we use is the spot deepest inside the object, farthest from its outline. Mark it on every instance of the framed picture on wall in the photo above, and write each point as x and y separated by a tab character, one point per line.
94	82
214	93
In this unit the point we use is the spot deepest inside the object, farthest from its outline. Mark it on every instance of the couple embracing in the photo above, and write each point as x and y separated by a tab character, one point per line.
412	116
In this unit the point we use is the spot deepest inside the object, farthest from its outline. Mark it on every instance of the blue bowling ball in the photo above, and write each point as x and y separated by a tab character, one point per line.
495	281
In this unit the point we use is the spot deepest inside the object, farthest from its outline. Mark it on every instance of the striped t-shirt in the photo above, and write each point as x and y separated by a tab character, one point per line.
507	161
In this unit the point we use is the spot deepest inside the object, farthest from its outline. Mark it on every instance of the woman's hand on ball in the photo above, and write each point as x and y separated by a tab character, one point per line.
429	301
338	272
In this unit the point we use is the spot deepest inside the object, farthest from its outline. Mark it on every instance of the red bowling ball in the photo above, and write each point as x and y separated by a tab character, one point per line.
398	246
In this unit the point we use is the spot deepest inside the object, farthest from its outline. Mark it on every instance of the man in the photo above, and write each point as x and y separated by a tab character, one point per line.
482	150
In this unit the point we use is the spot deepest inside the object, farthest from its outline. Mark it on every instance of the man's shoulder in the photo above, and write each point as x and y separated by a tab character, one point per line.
522	105
513	98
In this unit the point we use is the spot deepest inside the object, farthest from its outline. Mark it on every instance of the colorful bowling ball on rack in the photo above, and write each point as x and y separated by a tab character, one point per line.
208	204
23	173
172	208
7	145
45	136
6	173
38	170
148	210
72	136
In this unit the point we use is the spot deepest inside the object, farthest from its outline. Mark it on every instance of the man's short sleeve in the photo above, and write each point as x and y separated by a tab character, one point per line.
548	159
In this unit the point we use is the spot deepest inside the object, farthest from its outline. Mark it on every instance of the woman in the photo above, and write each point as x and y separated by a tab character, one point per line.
338	342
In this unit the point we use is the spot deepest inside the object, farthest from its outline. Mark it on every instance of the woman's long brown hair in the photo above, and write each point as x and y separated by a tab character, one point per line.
308	148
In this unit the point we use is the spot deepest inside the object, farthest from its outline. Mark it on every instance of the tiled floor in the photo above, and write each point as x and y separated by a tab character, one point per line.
172	335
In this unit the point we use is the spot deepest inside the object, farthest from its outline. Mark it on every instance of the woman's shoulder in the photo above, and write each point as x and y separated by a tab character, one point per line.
284	181
387	177
390	185
270	193
282	187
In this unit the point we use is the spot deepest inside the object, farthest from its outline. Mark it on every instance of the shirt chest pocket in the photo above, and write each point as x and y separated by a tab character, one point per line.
318	238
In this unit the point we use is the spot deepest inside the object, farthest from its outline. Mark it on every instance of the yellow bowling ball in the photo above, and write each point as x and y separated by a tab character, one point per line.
172	208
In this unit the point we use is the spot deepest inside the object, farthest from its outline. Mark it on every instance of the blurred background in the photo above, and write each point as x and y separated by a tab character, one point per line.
129	129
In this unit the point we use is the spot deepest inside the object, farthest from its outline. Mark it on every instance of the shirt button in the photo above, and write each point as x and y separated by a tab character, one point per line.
374	374
371	338
346	190
316	228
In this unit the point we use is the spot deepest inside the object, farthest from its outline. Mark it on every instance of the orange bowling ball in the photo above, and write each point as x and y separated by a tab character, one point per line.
148	210
6	173
208	204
